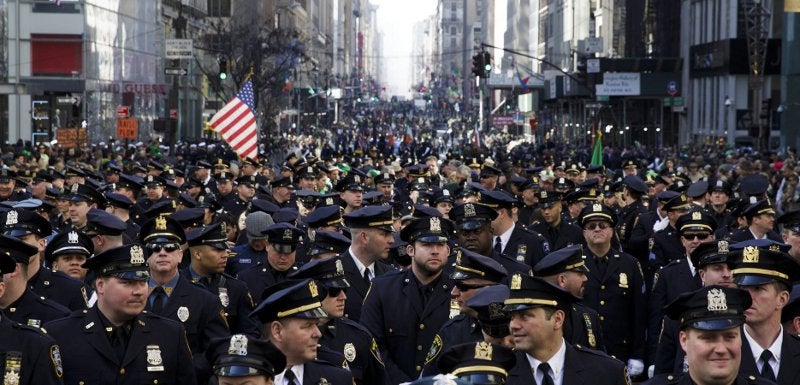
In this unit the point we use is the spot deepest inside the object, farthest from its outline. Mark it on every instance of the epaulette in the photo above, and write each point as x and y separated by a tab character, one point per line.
584	349
675	262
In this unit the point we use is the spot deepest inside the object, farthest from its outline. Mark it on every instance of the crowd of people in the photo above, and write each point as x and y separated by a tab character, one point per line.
397	260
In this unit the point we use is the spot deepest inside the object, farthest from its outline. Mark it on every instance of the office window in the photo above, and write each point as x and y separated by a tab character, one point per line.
219	8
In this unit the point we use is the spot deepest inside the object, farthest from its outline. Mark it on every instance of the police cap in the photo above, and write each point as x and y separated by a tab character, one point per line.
283	236
21	222
162	229
85	193
471	216
635	183
242	356
104	223
326	241
597	212
264	206
329	272
569	258
327	200
754	185
478	362
13	251
790	221
214	235
563	184
497	199
186	200
709	253
422	211
301	299
696	221
759	208
470	264
488	302
710	308
165	207
697	189
351	182
442	195
69	241
428	230
529	292
124	262
720	186
548	198
118	200
792	308
283	181
249	180
130	181
379	217
756	262
324	216
383	178
154	181
677	202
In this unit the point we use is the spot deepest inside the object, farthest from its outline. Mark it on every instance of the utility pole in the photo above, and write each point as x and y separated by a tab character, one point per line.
179	25
757	21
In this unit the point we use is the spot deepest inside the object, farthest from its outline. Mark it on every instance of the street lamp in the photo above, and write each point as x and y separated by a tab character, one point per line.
727	107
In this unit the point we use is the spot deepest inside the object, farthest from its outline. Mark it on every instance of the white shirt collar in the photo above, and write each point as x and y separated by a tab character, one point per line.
360	266
775	348
556	363
505	237
298	372
754	234
691	266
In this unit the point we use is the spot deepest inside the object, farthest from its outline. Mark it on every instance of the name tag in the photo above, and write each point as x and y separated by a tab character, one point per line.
155	368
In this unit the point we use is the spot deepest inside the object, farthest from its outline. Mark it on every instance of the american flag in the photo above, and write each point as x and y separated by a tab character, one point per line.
236	122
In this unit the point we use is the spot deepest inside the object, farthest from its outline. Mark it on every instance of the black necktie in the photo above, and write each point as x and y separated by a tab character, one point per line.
498	246
544	367
291	379
366	276
766	370
119	341
158	295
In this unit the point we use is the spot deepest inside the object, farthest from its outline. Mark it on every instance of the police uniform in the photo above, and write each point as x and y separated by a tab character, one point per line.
121	201
257	278
300	299
758	208
478	362
565	233
370	216
615	288
580	365
523	245
666	244
50	283
758	262
402	314
463	327
144	204
629	214
232	293
582	326
242	356
341	334
199	312
145	349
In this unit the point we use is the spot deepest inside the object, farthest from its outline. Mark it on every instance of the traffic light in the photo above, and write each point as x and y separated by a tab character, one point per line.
477	65
486	64
580	73
224	67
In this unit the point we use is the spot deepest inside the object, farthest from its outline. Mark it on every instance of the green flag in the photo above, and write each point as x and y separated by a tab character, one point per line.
597	153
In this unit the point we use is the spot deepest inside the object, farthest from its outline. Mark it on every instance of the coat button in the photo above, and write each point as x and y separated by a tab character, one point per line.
602	303
602	287
602	318
390	330
122	371
421	326
419	368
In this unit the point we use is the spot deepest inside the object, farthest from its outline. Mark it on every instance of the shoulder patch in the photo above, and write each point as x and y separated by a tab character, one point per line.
433	352
375	353
55	358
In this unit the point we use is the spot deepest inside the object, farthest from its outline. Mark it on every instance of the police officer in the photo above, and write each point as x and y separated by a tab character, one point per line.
282	241
478	362
765	270
666	244
566	268
105	230
558	232
253	251
120	206
488	302
290	317
154	193
209	251
404	311
633	190
117	340
471	272
760	223
350	190
371	237
615	288
240	359
18	302
720	193
338	332
67	252
328	244
33	229
30	357
538	312
510	240
474	229
711	335
173	296
245	191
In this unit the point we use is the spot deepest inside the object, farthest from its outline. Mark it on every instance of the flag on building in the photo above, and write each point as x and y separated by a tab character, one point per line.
236	122
597	153
523	81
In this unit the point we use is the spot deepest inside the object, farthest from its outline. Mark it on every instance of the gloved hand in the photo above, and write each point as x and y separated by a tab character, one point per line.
635	367
650	371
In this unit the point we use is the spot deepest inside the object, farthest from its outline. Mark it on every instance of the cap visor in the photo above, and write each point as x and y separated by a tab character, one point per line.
78	198
284	248
460	275
16	233
752	280
311	314
133	275
237	371
518	307
472	224
716	324
337	283
432	239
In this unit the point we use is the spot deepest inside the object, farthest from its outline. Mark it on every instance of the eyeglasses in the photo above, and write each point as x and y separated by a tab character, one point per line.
153	248
467	287
334	291
700	236
601	225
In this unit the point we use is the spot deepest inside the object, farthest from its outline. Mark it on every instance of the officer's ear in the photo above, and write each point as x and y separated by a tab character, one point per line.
683	338
2	287
275	330
795	324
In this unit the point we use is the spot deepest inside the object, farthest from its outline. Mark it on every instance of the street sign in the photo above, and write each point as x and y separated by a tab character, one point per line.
620	84
179	49
176	71
173	113
593	66
123	112
127	128
590	45
672	88
502	120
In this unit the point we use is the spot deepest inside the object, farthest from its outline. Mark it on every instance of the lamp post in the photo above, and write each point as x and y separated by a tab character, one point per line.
727	116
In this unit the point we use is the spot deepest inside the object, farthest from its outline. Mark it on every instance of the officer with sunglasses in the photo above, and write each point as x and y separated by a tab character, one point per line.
282	241
615	288
472	272
174	296
339	333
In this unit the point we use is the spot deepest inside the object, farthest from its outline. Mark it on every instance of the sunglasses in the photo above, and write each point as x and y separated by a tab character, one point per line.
467	287
334	291
601	225
692	237
153	248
